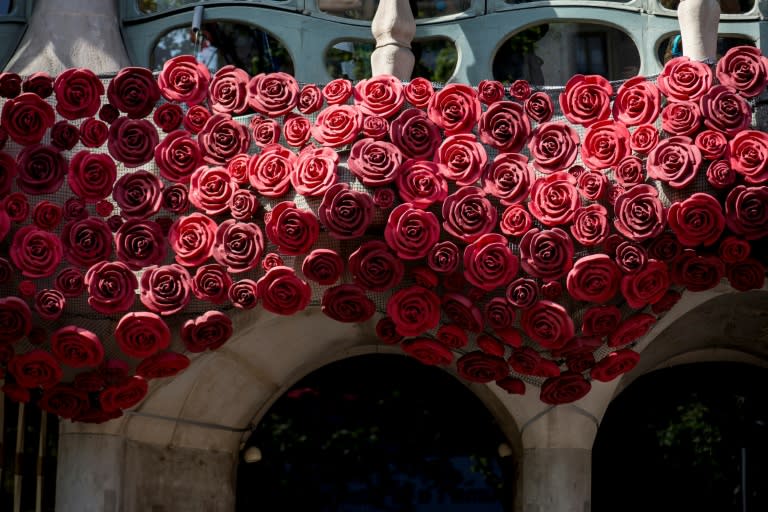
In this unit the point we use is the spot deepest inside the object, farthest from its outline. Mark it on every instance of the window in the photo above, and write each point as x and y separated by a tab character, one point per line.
365	9
664	50
726	6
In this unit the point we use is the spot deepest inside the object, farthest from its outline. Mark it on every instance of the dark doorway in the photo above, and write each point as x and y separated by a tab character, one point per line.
377	433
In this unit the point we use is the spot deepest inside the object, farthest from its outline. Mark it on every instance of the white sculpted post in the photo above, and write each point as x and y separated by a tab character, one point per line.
393	28
698	27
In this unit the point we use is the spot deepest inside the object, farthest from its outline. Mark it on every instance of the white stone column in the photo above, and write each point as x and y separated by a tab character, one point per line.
71	34
699	20
393	28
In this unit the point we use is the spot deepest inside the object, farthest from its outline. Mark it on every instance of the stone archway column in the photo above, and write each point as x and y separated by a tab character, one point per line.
699	20
393	28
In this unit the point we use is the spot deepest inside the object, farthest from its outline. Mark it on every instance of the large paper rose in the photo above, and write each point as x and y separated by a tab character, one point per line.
142	334
381	95
590	225
373	162
415	134
140	243
124	395
191	237
505	126
586	99
228	91
78	93
269	172
222	138
455	108
605	144
210	189
282	292
15	320
554	199
724	109
489	263
36	253
681	118
414	310
637	102
162	364
93	133
697	272
508	178
132	141
133	91
273	94
468	214
546	254
344	212
462	311
480	367
178	156
243	294
428	351
208	331
36	368
565	388
211	283
553	147
337	125
26	118
683	79
324	266
746	211
296	130
418	92
64	401
139	194
375	267
111	287
697	220
600	320
639	213
168	117
184	79
745	69
49	304
238	245
647	286
548	324
631	329
347	303
746	275
165	289
490	91
77	347
463	158
594	278
41	169
748	156
291	229
91	176
421	183
539	107
315	171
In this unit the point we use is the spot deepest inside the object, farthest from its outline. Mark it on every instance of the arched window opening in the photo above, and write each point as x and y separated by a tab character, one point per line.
377	433
691	437
365	9
671	46
726	6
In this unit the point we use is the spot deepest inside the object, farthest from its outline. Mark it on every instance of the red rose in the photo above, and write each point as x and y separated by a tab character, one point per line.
615	364
178	156
512	385
93	133
228	91
337	125
522	292
515	221
64	135
443	257
111	287
411	232
637	102
452	336
243	294
49	304
15	320
296	130
132	141
134	91
238	245
269	172
70	282
208	331
381	95
508	178
347	303
463	158
77	347
539	107
324	266
683	79
427	351
184	79
64	401
191	237
41	169
590	225
666	302
594	278
548	324
553	147
162	364
586	99
646	286
455	108
375	267
10	85
746	211
124	395
210	189
211	282
165	289
108	113
418	92
142	334
337	91
264	130
681	118
697	272
310	99
36	253
748	154
8	173
468	214
138	194
546	254
745	69
39	83
415	134
746	275
315	171
168	117
664	247
489	263
566	388
414	310
16	206
36	368
91	176
505	126
733	249
385	331
629	172
46	215
345	213
238	168
554	199
631	329
697	220
725	110
630	257
27	118
639	213
282	292
712	143
593	185
499	314
222	138
644	138
490	91
78	93
520	90
605	144
720	175
481	367
195	118
375	127
291	229
421	183
462	311
374	162
527	361
600	320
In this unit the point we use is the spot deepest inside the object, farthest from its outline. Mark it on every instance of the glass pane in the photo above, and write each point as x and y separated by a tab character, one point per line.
244	46
550	53
726	6
365	9
672	47
6	6
435	59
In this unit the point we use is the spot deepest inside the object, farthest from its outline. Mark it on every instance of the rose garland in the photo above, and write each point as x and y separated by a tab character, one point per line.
540	250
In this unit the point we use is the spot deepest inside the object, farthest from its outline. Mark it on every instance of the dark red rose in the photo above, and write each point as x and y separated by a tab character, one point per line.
282	292
41	169
39	83
238	245
586	99
381	95
554	199
515	221
111	287
480	367
134	91
593	185
697	220
337	91
681	118
637	102
505	126
78	93
462	311
344	212
375	267
725	110
600	320
243	294
178	156
310	99
168	117
697	272
36	253
91	175
508	178
666	302
221	138
195	118
184	79
463	158
315	171
590	225
162	364
443	257
212	283
490	345
291	229
548	324
26	118
489	263
664	247
109	113
499	314
646	286
165	289
733	249
175	198
539	107
421	183
746	211
414	310
630	257
594	278
639	213
16	206
77	347
629	172
527	361
452	336
132	141
631	329
427	351
49	304
385	331
468	214
338	125
490	91
10	85
415	134
418	92
522	292
455	108
546	254
683	79
70	282
553	147
615	364
748	152
644	138
324	266
142	334
64	401
520	90
511	385
374	163
745	69
269	172
139	194
93	133
87	241
46	215
243	204
566	388
228	91
746	275
36	368
15	320
124	395
347	303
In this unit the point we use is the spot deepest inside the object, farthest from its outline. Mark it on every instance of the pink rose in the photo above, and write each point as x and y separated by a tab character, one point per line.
178	156
720	174
222	138
733	249
124	395
515	221
243	205
165	289
590	226
539	107
481	367
647	286
374	162
418	92
411	232
139	194
508	178
15	320
462	311
324	266
637	102
238	245
548	324
337	91
77	347
421	183
184	79
415	134
554	199
697	272
490	91
243	294
168	117
162	364
746	275
697	220
748	156
91	176
745	69
644	138
211	282
468	214
630	257
629	172
605	144
195	118
269	172
683	79
228	91
46	215
344	212
427	351
36	253
375	127
586	99
264	130
553	147
443	257
414	310
374	267
639	213
712	143
132	141
505	126
681	118
41	169
238	168
746	211
338	125
291	229
615	364
381	95
593	185
455	108
546	254
78	93
489	263
347	303
310	99
210	190
600	320
26	118
282	292
315	170
296	130
134	91
191	237
725	110
463	158
142	334
93	133
111	287
520	90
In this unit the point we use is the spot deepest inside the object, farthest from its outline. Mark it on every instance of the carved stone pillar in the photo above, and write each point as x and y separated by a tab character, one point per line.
393	28
698	27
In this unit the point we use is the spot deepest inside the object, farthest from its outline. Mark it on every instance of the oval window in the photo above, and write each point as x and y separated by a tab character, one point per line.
551	53
672	47
222	43
726	6
365	9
